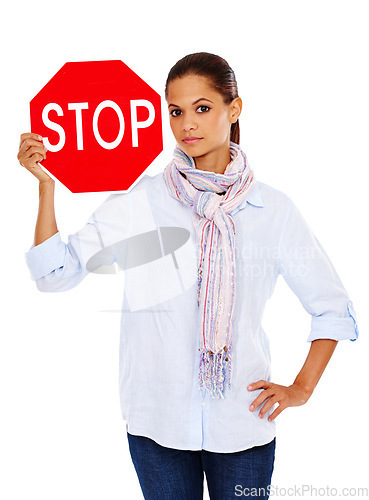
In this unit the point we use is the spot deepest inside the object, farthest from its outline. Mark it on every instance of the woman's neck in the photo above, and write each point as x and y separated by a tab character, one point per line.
215	161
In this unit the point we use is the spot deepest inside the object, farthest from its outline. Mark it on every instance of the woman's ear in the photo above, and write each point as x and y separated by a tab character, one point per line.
235	109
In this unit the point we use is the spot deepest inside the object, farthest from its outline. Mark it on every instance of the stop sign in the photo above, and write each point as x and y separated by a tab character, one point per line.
101	124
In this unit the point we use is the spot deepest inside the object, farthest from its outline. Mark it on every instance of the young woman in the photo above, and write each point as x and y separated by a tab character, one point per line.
195	384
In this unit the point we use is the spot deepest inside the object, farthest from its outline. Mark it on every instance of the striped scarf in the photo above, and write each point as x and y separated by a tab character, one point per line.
213	196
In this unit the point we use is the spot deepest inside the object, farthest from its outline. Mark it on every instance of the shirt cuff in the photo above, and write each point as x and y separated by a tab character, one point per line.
325	327
44	258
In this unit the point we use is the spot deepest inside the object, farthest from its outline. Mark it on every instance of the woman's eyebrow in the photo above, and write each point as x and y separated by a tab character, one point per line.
202	99
195	102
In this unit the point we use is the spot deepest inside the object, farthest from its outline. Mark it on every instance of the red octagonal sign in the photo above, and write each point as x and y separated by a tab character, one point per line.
101	124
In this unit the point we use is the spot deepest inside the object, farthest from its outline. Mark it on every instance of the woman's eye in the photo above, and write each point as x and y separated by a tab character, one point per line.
203	109
175	112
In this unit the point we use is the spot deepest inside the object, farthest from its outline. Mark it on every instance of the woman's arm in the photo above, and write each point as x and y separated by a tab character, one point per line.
310	274
302	388
46	222
31	151
320	353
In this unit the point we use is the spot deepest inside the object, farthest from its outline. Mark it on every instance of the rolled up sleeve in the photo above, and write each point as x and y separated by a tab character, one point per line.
310	274
57	266
44	258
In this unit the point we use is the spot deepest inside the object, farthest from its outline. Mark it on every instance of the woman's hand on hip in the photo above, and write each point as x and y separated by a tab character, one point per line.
285	396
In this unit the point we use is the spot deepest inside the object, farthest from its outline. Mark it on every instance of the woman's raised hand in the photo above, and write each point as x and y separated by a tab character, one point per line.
31	151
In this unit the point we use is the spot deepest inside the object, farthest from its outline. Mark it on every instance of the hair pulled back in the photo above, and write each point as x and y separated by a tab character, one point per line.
220	75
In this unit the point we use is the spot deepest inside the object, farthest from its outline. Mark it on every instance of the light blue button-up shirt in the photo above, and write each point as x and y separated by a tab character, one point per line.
151	236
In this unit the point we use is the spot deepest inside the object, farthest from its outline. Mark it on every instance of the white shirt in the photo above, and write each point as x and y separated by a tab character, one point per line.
159	357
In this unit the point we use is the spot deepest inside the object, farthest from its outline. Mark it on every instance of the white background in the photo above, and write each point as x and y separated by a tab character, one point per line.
302	70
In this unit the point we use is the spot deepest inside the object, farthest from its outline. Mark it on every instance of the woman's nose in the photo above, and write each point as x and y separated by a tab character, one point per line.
188	125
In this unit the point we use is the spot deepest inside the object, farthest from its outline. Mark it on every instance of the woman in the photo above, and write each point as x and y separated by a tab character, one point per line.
195	382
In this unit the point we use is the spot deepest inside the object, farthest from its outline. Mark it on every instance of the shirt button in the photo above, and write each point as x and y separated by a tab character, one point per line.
203	403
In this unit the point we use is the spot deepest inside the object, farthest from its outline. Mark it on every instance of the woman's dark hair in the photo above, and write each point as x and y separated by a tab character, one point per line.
217	70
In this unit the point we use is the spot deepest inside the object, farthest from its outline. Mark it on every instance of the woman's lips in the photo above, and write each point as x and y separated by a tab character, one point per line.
191	140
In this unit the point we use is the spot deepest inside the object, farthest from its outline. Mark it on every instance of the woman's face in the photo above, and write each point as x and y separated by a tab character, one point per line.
199	118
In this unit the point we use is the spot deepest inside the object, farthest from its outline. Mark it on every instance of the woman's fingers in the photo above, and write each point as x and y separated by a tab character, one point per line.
31	151
271	401
276	412
28	143
258	385
285	396
29	135
260	399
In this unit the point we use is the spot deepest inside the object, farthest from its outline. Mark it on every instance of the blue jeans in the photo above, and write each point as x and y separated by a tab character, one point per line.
169	474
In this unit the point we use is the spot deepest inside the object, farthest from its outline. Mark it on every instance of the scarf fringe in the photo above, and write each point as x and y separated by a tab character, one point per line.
213	371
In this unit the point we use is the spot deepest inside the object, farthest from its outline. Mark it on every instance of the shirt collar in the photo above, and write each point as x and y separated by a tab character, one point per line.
254	197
